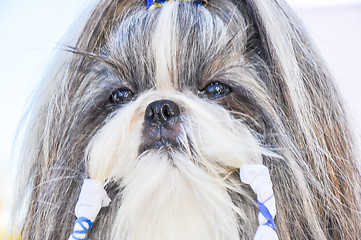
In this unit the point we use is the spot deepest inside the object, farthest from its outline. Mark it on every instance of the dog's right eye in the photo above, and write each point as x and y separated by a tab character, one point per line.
121	96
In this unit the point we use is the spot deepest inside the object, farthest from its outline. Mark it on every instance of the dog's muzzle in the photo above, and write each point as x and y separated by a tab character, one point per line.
161	125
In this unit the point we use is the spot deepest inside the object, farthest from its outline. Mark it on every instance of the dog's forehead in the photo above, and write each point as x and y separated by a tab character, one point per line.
175	46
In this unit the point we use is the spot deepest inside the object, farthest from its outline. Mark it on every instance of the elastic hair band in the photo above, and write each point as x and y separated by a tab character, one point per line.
152	4
79	222
267	215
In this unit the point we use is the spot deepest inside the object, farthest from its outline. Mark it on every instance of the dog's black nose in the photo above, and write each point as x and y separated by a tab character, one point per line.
161	126
160	112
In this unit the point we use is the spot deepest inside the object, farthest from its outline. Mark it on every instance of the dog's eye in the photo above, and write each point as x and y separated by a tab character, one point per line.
121	96
217	90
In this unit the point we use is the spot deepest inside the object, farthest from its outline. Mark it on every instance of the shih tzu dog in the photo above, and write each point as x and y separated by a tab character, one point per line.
163	103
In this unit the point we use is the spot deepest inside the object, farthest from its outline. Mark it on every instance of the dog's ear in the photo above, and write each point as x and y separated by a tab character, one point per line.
311	110
278	37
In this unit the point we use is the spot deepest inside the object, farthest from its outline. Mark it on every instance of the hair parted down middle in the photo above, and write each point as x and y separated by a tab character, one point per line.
277	105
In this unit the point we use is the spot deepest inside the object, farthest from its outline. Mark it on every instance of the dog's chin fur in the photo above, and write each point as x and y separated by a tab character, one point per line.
282	110
167	197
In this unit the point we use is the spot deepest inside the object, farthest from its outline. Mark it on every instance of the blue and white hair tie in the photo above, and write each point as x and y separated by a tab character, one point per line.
152	4
258	177
91	199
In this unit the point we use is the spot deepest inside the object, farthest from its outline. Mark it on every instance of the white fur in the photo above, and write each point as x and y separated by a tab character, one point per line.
163	46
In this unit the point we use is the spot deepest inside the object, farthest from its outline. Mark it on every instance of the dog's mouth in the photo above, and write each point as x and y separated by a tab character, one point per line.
161	144
163	138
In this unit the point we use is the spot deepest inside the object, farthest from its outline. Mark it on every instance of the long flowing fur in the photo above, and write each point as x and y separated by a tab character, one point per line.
284	111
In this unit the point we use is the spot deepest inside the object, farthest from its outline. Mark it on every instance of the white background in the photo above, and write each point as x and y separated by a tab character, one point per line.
30	31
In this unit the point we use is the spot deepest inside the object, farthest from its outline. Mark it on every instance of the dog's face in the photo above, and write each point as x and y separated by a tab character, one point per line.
184	119
165	105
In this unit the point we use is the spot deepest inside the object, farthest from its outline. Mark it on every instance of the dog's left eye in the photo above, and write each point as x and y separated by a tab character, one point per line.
217	90
121	96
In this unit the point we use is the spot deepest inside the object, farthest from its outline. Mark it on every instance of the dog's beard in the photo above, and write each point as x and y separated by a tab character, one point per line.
167	197
182	191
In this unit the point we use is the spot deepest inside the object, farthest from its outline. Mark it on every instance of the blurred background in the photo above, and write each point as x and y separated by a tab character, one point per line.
30	31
